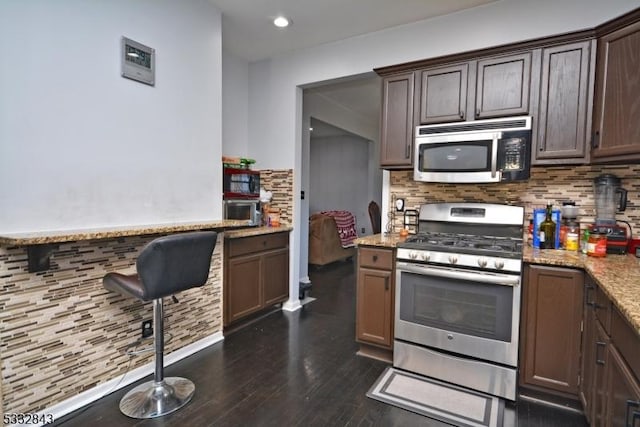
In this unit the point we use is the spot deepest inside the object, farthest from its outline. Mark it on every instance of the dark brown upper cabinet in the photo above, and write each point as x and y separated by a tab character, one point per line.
489	87
443	94
616	119
503	86
396	139
561	134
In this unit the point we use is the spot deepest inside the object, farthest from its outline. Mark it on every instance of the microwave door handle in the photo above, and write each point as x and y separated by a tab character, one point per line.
494	154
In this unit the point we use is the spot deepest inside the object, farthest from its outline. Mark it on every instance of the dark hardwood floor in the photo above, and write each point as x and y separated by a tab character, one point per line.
294	369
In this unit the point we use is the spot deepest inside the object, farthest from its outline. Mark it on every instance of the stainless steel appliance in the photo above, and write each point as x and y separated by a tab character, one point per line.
243	210
610	198
458	290
474	152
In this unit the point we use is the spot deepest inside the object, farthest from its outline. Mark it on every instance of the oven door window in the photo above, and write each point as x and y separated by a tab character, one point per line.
467	156
476	309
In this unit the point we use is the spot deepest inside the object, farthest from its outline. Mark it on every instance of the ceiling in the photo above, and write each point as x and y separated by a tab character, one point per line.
247	30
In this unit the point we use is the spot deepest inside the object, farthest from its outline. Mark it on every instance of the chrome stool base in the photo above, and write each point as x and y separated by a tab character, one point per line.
155	399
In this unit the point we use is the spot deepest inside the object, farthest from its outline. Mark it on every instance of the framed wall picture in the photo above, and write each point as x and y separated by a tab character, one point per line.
138	62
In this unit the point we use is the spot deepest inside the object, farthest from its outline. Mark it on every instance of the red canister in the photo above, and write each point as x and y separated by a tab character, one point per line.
597	245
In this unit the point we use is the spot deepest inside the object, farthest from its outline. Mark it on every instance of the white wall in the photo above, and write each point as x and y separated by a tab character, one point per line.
338	177
80	146
235	105
274	84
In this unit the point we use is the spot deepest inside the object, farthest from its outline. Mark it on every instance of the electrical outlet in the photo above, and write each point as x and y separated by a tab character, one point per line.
147	328
362	230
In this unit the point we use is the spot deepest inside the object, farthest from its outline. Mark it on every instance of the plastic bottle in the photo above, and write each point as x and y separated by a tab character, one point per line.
572	238
585	241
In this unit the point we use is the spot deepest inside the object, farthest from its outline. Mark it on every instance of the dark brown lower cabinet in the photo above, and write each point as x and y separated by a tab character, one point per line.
551	329
375	297
610	390
256	274
623	393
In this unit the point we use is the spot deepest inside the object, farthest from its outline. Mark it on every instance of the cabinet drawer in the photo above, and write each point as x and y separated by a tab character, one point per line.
265	242
603	309
376	258
626	340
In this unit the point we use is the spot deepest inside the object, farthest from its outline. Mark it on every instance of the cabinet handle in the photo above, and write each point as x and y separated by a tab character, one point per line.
595	141
589	288
635	415
598	345
542	142
407	151
375	258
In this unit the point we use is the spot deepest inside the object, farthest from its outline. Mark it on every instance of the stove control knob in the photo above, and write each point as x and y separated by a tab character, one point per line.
482	262
453	259
413	255
426	256
499	264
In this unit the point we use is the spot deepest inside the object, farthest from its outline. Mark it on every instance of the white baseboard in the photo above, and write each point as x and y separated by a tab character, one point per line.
76	402
292	305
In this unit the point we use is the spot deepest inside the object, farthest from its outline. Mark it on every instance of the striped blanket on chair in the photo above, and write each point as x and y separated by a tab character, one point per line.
346	224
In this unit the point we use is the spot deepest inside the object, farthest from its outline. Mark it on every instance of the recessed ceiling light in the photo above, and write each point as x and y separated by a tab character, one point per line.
281	22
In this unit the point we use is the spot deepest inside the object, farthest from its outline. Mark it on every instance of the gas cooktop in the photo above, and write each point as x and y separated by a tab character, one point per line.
463	243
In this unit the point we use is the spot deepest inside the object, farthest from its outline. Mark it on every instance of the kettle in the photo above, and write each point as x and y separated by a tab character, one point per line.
609	198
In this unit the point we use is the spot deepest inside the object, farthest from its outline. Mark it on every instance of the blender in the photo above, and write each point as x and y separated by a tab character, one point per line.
609	199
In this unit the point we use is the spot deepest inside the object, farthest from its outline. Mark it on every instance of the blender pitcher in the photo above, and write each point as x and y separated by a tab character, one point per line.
609	197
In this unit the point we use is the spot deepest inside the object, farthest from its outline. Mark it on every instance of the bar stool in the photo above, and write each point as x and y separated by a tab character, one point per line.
165	266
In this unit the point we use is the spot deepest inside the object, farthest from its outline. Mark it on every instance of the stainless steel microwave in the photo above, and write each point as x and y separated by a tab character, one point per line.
474	152
243	209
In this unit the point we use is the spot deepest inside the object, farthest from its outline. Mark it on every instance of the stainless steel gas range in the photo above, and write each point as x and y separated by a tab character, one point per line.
458	296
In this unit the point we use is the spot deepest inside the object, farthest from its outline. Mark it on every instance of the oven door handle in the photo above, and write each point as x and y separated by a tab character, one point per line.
492	279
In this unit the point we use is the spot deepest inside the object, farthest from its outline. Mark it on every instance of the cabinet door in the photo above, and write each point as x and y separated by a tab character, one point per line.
553	304
397	121
275	276
587	367
503	86
564	113
623	393
244	289
443	94
374	307
617	104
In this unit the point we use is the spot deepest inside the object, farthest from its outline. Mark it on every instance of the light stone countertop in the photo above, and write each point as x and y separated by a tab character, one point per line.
46	237
617	275
387	240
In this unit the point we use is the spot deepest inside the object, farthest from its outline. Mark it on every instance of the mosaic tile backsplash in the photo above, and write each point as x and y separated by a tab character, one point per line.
62	333
546	184
280	183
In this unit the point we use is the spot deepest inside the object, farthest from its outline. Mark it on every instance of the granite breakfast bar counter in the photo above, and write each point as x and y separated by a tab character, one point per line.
64	338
